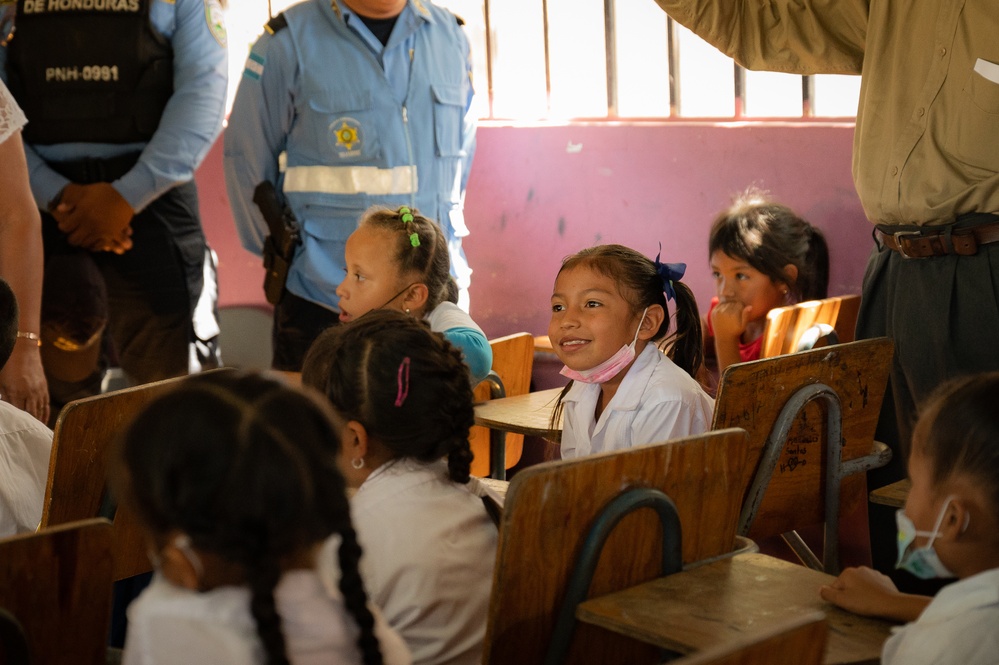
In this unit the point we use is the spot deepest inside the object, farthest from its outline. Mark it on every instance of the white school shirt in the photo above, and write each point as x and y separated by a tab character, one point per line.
25	447
958	627
169	625
429	551
656	401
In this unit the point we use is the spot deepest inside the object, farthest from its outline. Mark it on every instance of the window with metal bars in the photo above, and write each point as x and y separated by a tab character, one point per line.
556	60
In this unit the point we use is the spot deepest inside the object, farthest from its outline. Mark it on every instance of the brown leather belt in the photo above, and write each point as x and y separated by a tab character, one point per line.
919	244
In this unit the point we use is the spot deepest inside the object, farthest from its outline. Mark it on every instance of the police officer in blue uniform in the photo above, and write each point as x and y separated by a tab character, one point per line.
124	98
344	104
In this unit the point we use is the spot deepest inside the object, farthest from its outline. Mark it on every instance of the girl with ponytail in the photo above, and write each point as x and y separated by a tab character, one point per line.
403	396
632	379
235	482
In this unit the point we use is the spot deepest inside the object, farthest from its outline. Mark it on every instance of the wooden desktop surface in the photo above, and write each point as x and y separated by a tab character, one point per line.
892	495
729	599
522	414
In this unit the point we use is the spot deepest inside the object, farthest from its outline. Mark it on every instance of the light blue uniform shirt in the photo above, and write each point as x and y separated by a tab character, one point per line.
339	123
190	122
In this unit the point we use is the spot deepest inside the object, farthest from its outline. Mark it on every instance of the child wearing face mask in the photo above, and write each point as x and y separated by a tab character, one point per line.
609	311
762	256
398	259
948	528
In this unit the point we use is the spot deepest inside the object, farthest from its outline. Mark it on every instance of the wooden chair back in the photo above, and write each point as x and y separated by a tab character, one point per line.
785	326
550	507
78	468
57	584
751	396
513	360
801	641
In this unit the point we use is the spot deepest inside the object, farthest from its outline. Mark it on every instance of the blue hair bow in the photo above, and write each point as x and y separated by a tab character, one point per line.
669	273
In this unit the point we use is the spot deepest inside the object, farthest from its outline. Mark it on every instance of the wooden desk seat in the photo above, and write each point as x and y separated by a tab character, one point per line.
78	468
729	600
57	584
525	414
513	362
799	641
893	495
785	326
788	405
550	507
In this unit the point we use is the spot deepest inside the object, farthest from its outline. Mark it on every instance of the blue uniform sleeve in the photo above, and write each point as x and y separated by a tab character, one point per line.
45	183
470	121
257	131
192	118
475	347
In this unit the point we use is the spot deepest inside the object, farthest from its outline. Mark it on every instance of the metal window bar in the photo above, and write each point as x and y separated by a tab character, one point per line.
489	55
548	59
673	65
610	46
807	95
739	81
673	56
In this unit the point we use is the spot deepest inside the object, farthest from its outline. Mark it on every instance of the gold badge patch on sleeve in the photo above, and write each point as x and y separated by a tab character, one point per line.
215	18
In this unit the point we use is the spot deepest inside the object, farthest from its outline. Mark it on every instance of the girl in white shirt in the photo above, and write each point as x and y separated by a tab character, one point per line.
234	478
949	527
399	259
405	401
609	311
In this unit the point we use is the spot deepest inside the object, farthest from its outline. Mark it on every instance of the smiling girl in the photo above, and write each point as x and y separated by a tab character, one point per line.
762	256
609	308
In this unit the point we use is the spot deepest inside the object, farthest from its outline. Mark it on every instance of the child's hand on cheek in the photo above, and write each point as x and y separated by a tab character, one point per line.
730	318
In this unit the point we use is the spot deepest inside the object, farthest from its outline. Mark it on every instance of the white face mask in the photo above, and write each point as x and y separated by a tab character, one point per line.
922	562
611	367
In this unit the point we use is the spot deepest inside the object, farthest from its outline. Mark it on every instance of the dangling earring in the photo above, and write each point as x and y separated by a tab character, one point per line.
357	463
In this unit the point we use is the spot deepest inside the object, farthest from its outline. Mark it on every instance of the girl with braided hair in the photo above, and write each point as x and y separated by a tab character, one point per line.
235	481
398	259
404	400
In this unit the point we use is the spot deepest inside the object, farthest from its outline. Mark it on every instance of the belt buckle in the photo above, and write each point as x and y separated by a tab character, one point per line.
898	236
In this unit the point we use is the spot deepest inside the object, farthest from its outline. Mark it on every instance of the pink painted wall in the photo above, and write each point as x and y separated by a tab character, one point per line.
539	193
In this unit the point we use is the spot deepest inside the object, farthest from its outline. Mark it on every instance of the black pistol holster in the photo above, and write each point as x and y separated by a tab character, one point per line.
279	246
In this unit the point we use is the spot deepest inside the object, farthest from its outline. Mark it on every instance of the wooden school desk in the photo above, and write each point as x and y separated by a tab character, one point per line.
892	495
728	599
521	414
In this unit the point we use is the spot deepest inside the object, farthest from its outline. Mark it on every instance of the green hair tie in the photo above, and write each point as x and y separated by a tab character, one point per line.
406	215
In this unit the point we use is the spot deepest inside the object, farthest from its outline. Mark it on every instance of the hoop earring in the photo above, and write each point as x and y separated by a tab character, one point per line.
357	463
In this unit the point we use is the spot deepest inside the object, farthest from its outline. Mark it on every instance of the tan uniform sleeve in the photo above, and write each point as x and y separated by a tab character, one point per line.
795	36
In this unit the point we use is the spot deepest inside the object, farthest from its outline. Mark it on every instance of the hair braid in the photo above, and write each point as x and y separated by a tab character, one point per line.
432	421
262	579
354	596
249	473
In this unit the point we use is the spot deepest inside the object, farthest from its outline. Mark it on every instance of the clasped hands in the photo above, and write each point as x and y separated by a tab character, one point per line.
95	217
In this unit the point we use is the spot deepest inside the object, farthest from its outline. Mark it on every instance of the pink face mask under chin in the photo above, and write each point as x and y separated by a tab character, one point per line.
609	368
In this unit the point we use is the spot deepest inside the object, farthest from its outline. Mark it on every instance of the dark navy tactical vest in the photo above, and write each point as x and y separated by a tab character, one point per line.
88	70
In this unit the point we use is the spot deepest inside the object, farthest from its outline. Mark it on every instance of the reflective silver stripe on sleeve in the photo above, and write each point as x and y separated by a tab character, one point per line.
351	179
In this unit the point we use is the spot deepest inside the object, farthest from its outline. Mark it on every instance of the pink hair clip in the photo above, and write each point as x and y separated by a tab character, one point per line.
402	381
